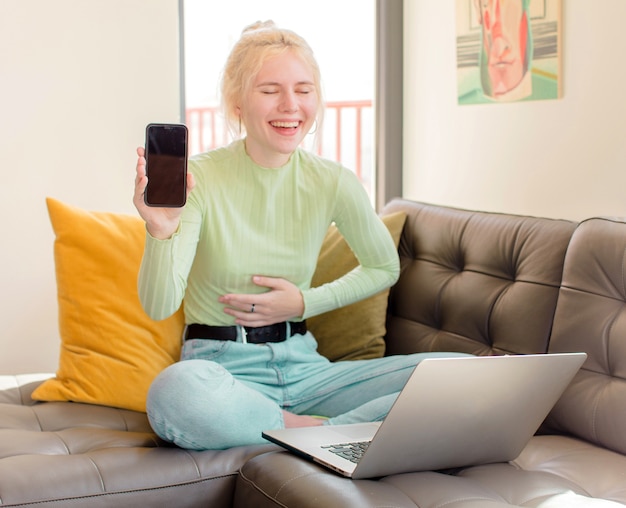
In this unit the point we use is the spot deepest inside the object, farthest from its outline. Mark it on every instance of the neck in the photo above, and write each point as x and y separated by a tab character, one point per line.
270	161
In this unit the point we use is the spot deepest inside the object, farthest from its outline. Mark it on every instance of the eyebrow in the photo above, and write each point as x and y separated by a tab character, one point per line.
274	83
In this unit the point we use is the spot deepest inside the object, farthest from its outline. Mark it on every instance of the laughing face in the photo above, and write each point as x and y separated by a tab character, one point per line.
279	109
505	32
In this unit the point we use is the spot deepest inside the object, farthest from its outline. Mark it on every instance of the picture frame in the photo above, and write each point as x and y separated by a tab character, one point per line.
508	50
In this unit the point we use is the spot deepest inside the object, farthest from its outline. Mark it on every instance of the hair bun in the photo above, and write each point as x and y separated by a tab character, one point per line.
259	25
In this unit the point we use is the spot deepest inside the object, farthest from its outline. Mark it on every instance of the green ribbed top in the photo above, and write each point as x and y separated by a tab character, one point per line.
242	220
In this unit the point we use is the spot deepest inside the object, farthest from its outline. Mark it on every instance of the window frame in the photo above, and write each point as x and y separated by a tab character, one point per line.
388	96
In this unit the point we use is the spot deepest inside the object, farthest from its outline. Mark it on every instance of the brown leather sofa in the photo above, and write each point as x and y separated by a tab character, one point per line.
476	282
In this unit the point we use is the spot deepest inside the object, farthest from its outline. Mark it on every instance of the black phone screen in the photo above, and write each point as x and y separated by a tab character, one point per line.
166	165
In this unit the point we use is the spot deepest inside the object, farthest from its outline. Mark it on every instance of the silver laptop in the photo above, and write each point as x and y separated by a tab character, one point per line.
452	412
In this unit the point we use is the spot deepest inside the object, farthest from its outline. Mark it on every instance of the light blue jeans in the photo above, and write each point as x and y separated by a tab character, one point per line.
224	394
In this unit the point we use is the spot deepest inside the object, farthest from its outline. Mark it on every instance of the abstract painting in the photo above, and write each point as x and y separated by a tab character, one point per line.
508	50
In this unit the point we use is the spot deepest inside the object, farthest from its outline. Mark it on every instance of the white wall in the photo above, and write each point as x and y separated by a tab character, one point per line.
79	80
564	158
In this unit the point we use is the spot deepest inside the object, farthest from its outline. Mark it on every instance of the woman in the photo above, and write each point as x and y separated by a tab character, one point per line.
242	253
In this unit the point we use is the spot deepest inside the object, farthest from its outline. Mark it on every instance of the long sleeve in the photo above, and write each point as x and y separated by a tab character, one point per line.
164	270
372	245
243	220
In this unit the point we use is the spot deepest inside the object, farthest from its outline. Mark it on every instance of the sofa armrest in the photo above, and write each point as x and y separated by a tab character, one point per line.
282	479
17	389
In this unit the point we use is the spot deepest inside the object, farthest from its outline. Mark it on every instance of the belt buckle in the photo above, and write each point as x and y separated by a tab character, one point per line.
278	332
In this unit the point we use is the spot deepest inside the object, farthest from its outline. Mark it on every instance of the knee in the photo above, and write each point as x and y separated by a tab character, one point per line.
183	382
181	394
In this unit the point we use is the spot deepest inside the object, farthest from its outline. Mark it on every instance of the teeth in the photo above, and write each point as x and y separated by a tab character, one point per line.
285	124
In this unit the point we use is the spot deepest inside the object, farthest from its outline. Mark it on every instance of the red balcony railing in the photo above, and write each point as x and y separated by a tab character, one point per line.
346	137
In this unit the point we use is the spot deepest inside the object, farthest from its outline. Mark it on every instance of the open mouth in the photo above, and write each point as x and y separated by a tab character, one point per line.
285	125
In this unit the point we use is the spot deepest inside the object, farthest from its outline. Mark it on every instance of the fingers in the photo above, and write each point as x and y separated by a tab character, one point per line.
271	282
161	223
191	183
282	302
247	314
140	169
141	162
249	309
140	178
243	302
241	305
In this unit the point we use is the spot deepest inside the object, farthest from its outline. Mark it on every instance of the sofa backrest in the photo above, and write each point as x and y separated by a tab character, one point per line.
475	282
17	389
591	317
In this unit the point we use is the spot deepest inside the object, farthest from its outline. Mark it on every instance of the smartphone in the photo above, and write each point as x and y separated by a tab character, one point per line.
166	165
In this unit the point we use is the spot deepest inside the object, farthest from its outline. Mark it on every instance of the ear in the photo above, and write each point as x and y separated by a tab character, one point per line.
239	115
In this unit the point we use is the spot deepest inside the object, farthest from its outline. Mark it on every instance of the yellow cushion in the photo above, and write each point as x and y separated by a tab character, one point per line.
110	349
356	331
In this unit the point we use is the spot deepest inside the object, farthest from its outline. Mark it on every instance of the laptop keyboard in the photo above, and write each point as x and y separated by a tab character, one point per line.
350	451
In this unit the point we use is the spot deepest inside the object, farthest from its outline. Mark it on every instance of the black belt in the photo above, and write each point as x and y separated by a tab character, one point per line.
253	335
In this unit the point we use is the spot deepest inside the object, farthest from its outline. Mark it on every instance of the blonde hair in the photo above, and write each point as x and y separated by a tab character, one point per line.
258	43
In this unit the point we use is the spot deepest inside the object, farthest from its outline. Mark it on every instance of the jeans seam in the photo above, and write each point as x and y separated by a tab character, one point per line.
317	394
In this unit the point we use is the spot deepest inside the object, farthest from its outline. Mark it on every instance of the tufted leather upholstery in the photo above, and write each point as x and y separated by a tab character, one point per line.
60	454
553	472
591	316
475	282
491	284
470	281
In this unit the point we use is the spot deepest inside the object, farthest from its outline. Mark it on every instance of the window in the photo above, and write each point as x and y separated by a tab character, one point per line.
343	37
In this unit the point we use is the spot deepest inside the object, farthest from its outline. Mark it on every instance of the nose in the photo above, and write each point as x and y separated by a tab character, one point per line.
289	102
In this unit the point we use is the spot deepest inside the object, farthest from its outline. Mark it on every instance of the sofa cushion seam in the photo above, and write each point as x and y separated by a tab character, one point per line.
120	492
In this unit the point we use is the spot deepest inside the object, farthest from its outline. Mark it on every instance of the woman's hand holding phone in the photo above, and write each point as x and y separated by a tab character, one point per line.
161	222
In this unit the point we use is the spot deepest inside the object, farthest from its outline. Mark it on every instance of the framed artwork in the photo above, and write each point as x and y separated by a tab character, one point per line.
508	50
